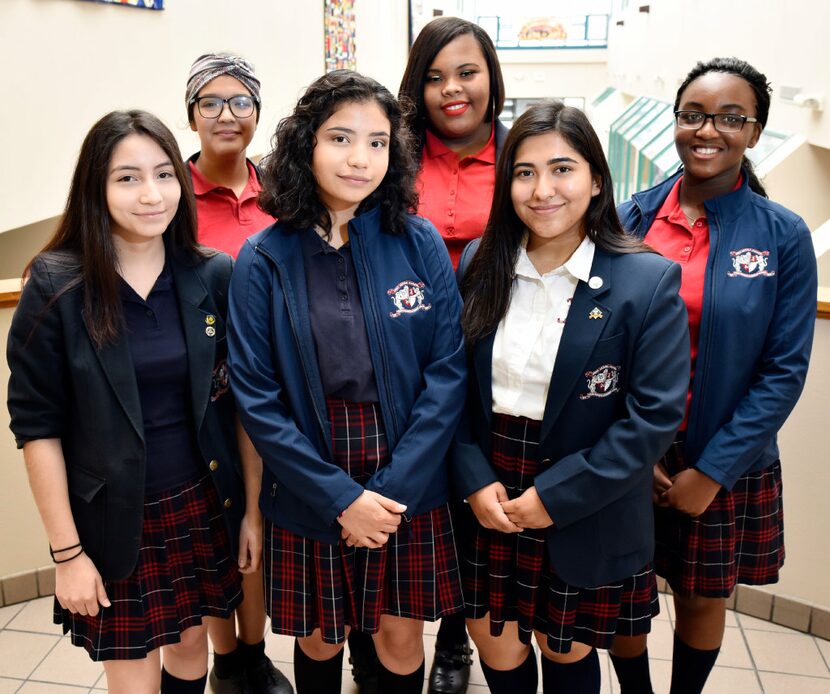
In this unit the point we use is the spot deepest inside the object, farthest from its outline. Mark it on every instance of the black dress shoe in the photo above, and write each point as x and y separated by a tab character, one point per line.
235	684
263	678
450	672
364	661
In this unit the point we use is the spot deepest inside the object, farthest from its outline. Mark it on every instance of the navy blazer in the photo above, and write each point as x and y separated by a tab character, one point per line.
61	386
598	445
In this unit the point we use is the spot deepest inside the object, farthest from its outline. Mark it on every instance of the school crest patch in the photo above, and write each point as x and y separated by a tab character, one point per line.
220	381
602	382
408	297
750	262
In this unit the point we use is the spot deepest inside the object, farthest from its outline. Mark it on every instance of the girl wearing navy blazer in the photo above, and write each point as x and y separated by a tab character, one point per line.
119	398
749	282
577	380
348	367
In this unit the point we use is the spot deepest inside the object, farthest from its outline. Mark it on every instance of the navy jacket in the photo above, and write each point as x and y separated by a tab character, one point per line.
602	446
62	387
756	332
411	307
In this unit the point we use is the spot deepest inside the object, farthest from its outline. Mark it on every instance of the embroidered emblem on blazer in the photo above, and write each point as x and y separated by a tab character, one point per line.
408	297
750	262
602	382
219	381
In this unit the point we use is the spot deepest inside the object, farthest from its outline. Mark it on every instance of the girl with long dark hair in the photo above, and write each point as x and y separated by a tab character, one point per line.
119	398
577	381
749	284
348	366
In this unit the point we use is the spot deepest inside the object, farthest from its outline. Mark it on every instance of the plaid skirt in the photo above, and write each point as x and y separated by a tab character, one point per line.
314	585
509	576
738	539
184	573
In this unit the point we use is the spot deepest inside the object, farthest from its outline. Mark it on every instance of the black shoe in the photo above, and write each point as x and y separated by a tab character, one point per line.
450	672
364	661
263	678
235	684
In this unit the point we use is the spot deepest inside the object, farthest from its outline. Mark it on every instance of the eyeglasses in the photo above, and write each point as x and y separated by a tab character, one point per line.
241	106
723	122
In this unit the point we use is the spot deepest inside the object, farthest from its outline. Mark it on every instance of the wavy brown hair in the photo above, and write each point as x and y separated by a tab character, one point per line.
82	245
488	281
289	189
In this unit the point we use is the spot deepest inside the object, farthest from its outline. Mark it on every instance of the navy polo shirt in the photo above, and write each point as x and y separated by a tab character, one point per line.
337	325
156	339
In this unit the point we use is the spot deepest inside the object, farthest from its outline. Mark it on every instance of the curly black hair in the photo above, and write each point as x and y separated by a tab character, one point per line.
289	189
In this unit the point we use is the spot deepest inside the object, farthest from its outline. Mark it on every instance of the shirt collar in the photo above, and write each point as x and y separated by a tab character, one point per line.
434	147
578	265
202	185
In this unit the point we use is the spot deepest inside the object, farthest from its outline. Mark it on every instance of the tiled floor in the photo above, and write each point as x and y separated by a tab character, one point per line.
757	657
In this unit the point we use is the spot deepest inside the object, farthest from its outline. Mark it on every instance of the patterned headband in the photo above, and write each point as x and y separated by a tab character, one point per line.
213	65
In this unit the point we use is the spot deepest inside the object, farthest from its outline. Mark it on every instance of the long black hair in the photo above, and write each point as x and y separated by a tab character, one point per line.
760	86
289	189
487	283
82	244
433	37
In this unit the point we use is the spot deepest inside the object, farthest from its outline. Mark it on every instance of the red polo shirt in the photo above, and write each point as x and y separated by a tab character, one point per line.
688	245
456	194
225	221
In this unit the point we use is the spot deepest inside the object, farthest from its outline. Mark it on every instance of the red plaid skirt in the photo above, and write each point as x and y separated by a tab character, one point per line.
738	539
184	573
313	585
509	576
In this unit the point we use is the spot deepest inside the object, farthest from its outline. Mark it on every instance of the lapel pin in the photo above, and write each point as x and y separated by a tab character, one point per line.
210	319
595	312
210	331
595	282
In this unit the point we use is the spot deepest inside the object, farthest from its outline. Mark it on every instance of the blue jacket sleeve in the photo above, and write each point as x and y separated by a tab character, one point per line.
285	450
437	409
782	368
582	483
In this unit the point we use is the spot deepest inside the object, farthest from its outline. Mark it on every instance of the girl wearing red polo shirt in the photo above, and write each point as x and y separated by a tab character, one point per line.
749	283
454	80
223	107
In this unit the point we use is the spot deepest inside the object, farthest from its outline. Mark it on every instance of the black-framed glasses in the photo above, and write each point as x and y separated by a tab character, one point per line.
241	106
723	122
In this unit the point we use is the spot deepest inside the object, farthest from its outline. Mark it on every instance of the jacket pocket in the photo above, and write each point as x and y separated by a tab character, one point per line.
84	484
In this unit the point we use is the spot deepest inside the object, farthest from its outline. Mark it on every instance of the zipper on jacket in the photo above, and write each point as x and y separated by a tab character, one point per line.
387	388
320	419
702	366
273	489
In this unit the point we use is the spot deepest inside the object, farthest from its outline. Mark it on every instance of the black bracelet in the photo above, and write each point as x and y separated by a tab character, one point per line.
74	556
53	552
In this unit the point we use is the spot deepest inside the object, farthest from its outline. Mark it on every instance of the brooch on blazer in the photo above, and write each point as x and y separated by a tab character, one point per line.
595	314
210	319
602	382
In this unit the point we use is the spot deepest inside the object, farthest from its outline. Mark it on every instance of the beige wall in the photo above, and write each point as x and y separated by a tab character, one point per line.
787	41
545	74
805	464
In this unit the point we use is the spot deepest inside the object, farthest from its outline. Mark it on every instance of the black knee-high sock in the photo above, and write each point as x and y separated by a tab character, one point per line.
581	677
690	667
317	676
633	674
227	664
173	685
452	631
388	681
521	680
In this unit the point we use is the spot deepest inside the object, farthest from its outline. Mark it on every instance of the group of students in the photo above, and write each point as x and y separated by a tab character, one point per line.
359	431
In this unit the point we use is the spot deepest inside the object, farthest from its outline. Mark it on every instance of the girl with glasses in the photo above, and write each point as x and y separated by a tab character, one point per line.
749	284
348	366
119	397
578	376
223	107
